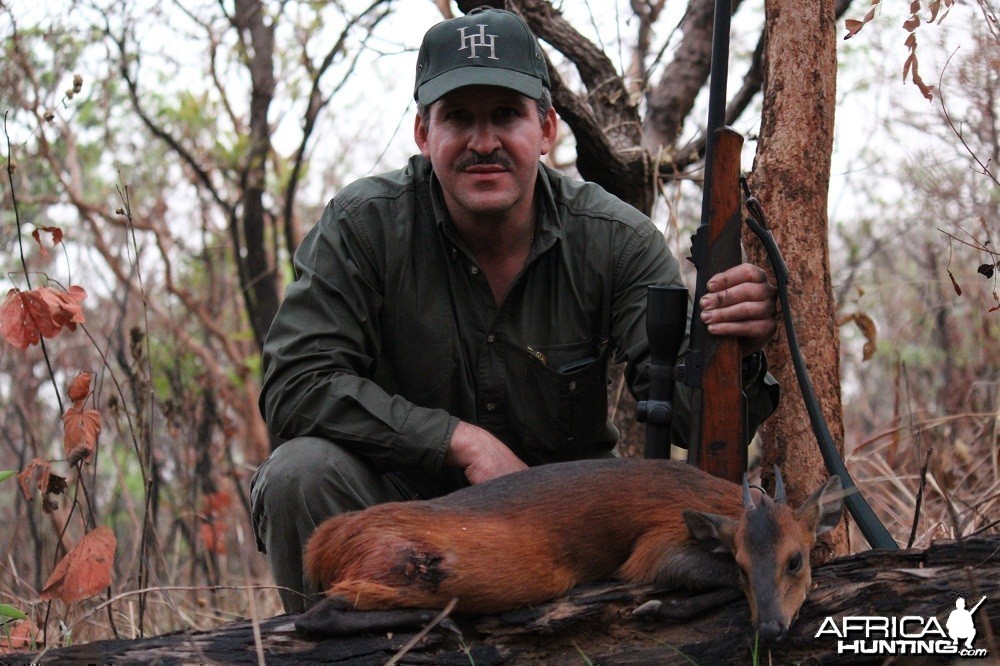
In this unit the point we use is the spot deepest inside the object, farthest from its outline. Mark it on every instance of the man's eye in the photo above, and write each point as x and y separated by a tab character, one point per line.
455	115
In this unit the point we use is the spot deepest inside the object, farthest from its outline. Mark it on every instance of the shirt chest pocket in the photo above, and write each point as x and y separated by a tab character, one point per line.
568	386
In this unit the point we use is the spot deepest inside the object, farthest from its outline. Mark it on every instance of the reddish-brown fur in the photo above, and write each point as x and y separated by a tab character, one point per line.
530	536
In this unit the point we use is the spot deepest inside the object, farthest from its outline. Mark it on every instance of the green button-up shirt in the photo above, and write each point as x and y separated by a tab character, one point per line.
391	334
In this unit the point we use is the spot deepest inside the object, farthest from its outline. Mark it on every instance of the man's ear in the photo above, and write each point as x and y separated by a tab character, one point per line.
420	135
550	127
716	532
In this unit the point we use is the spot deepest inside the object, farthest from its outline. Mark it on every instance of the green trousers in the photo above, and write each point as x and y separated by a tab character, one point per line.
305	481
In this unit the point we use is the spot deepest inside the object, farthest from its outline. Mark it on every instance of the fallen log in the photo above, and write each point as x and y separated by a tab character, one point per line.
597	623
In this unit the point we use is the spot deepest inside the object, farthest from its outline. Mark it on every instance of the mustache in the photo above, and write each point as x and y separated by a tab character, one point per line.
492	159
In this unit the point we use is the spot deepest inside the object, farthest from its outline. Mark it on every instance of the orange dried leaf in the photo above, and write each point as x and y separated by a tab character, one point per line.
65	305
867	327
954	283
39	474
86	570
79	389
853	27
20	638
911	23
27	316
55	232
217	503
909	62
80	430
24	318
35	470
213	533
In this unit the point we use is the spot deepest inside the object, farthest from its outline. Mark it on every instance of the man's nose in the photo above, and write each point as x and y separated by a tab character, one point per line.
484	138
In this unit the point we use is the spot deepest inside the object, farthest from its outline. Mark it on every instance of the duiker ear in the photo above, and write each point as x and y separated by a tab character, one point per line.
824	508
715	531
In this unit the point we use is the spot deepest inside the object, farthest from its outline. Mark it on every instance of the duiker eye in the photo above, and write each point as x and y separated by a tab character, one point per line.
795	563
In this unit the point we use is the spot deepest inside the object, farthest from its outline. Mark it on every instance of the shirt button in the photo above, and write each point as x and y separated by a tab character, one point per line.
491	407
474	270
491	338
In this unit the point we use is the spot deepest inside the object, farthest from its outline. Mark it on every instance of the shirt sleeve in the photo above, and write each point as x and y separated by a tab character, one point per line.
646	260
320	354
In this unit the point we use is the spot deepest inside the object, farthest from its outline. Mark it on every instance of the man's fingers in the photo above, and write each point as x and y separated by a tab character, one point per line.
737	275
751	330
746	292
742	311
741	302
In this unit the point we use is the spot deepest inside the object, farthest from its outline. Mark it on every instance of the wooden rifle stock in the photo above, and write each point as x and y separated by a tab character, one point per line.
714	367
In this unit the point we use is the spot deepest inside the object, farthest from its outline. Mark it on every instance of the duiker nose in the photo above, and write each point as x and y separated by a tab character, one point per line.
771	631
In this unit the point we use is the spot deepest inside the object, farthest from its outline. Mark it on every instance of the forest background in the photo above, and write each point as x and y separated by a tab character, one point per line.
162	161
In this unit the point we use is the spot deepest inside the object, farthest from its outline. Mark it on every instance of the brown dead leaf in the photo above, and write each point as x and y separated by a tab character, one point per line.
80	430
86	570
56	234
24	318
213	534
954	283
867	328
79	389
854	26
217	503
38	474
27	316
20	639
65	305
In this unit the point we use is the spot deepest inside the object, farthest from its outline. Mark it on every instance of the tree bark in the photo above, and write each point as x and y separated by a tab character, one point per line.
257	273
791	178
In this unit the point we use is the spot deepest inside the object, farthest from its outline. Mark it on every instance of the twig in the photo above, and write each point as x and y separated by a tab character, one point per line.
254	620
944	109
920	500
423	632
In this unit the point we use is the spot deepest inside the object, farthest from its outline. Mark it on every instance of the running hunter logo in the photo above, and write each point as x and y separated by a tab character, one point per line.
910	634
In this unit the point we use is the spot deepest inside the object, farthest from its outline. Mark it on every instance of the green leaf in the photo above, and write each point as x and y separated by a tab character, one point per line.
11	612
6	474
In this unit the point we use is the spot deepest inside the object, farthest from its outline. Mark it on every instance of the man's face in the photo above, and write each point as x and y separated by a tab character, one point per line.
484	143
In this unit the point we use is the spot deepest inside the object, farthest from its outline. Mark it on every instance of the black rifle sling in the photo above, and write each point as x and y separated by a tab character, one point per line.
873	530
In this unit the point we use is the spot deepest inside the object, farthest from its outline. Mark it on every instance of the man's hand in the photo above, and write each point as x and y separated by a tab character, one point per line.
480	455
741	303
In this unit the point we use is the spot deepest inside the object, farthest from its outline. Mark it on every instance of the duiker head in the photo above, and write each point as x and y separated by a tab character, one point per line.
770	543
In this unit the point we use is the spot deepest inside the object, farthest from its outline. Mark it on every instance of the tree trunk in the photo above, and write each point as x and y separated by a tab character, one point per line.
257	273
595	624
791	177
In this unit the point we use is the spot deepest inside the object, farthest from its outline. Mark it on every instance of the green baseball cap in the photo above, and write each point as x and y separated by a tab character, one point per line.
489	47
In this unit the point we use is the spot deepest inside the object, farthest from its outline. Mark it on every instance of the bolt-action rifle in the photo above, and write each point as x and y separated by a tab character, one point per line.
713	367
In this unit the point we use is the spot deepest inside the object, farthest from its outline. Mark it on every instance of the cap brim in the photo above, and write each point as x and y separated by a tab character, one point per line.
441	85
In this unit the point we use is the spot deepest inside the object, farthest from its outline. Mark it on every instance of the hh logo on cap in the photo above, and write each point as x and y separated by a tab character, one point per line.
477	40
